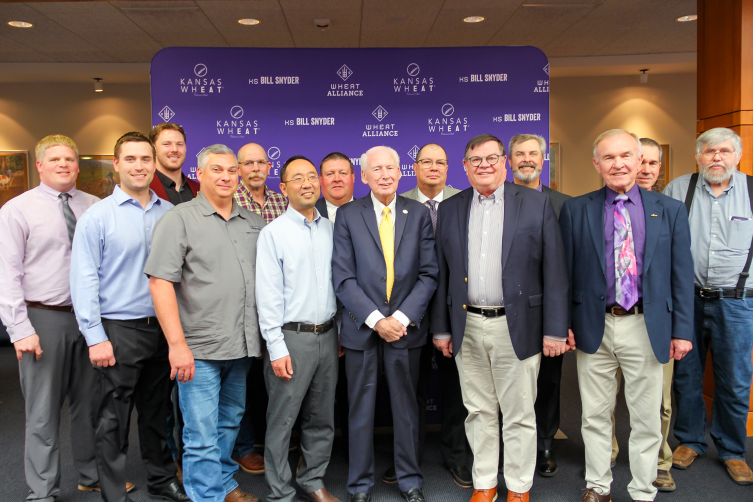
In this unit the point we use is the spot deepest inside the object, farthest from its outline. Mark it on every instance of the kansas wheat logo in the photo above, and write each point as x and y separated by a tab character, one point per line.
237	127
447	125
166	114
413	152
379	113
273	153
200	85
541	86
344	72
413	84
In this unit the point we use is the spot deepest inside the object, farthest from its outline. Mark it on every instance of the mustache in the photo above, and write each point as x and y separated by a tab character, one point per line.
526	164
254	176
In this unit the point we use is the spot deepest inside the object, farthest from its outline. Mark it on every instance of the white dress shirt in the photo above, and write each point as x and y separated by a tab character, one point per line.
423	198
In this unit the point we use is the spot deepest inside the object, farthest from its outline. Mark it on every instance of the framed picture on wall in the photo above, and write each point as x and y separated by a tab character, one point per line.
97	176
555	167
14	174
665	173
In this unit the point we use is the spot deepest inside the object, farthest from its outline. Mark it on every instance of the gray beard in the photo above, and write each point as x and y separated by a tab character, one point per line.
716	178
527	178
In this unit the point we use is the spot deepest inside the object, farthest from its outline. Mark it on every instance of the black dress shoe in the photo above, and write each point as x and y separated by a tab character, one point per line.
360	497
414	495
546	464
172	493
390	476
461	476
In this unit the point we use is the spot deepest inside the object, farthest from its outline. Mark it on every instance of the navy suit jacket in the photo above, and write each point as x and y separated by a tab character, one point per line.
534	278
359	271
667	270
321	206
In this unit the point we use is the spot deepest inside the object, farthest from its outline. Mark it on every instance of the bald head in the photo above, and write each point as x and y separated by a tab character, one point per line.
254	165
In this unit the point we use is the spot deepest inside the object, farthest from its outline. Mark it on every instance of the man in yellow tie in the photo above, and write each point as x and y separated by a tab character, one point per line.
385	271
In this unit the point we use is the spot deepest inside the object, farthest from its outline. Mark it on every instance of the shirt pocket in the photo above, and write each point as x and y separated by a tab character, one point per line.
740	234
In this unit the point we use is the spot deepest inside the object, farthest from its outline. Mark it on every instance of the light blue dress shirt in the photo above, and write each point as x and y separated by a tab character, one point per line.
293	276
110	247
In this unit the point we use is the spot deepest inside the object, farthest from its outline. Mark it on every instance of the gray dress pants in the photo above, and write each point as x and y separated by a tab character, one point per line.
311	391
64	370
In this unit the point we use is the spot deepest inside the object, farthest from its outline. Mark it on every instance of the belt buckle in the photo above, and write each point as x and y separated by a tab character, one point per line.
316	329
712	294
611	310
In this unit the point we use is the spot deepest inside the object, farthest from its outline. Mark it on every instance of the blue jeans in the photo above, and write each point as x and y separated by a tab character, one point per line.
212	405
726	328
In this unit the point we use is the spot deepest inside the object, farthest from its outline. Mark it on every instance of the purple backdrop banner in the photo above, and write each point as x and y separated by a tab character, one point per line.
314	101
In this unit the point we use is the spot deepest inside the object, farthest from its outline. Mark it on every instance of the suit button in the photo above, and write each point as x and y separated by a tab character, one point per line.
384	279
463	307
386	302
413	324
466	279
601	297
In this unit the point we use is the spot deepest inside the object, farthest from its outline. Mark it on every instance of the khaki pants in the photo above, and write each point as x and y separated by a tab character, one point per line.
625	347
492	378
665	452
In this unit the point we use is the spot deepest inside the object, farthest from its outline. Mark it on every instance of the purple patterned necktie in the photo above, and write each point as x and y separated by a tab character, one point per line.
432	204
625	264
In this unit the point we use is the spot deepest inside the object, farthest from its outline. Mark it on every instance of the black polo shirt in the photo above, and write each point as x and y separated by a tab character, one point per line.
176	197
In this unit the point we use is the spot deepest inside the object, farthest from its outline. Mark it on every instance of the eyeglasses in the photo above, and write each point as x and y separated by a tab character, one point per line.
300	180
331	174
491	160
723	153
427	163
250	163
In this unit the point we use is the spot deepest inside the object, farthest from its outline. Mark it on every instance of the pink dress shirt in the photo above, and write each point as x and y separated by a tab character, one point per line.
35	254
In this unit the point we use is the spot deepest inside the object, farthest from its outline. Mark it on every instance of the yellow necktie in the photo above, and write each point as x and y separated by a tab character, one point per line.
386	235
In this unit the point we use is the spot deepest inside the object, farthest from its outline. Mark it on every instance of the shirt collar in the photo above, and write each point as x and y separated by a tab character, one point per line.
120	197
729	187
299	219
423	198
208	209
169	183
332	206
499	193
243	189
54	193
633	194
379	207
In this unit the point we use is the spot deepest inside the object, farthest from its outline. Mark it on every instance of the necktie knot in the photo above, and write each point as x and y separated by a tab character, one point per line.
65	196
432	204
385	211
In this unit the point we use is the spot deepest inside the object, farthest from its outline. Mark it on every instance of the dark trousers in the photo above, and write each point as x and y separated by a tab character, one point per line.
453	442
140	377
401	372
548	401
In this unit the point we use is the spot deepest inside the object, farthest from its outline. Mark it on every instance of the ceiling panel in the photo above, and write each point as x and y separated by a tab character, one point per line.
398	27
344	30
536	26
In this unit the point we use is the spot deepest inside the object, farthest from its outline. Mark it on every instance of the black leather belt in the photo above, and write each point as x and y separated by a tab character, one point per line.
619	311
487	311
719	293
58	308
316	329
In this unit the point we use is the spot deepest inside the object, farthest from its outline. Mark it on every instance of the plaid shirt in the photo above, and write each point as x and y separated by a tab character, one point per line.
274	203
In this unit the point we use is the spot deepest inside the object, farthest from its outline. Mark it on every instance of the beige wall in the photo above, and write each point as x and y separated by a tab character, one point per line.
28	112
583	107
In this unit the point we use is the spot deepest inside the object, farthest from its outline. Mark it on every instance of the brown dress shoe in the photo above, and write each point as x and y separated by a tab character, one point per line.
489	495
664	481
682	457
253	463
589	495
739	472
519	497
239	495
97	488
178	472
321	495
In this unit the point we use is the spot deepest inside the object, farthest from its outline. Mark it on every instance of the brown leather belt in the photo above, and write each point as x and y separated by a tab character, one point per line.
620	312
59	308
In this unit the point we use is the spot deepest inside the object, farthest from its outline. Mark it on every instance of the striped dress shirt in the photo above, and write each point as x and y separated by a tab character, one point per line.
485	249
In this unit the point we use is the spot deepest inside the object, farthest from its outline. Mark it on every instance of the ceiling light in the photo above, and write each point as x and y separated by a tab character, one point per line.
473	19
20	24
644	76
685	19
98	85
249	21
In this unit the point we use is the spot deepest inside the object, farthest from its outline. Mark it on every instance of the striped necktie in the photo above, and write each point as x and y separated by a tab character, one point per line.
387	236
70	218
433	211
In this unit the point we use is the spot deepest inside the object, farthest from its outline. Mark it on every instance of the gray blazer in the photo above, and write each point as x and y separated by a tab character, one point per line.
448	192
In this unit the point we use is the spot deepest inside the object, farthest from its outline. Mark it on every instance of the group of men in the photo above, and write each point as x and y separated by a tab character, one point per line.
172	280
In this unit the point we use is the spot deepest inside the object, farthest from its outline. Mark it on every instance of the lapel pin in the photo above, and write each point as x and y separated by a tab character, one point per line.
654	215
405	211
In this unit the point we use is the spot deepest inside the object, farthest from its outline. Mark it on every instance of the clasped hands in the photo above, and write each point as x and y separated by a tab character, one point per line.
390	329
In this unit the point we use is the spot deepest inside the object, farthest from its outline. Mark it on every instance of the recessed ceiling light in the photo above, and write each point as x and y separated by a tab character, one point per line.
685	19
20	24
473	19
249	22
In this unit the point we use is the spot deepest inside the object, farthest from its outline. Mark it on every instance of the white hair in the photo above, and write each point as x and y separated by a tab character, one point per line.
374	149
718	135
616	132
216	149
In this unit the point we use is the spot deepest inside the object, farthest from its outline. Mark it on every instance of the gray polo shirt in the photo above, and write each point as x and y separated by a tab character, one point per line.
720	236
213	265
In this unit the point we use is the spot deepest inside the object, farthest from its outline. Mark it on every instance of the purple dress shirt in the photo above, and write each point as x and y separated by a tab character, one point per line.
634	207
35	254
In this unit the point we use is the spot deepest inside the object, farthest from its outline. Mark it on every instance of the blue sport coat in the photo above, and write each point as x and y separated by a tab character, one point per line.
359	271
667	270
